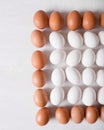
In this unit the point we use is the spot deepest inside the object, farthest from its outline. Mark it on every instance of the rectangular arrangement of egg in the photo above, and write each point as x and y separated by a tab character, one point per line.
73	67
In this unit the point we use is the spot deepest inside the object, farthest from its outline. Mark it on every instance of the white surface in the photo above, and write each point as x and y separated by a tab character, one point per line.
16	105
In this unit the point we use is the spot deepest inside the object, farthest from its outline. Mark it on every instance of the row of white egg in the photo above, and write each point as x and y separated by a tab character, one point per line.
75	95
89	77
76	40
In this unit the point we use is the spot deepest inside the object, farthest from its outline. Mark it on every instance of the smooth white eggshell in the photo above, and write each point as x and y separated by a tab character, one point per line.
75	39
89	96
101	37
100	96
73	58
100	78
100	57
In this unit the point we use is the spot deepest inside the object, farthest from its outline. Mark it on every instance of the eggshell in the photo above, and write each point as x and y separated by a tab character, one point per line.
74	95
43	116
56	40
102	113
89	20
56	21
41	19
101	37
73	58
58	77
88	58
100	95
92	114
89	96
74	20
62	115
100	57
57	57
77	114
91	40
57	96
40	97
100	78
73	75
38	60
88	76
102	19
75	39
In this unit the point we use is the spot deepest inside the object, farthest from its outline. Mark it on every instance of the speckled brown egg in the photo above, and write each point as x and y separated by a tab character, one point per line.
77	114
56	21
74	20
89	20
91	114
43	116
102	113
62	115
38	38
102	19
40	19
38	59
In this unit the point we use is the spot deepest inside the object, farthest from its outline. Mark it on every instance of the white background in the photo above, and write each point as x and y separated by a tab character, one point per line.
16	104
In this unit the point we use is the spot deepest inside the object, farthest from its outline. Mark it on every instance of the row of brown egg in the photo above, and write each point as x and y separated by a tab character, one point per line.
76	114
74	20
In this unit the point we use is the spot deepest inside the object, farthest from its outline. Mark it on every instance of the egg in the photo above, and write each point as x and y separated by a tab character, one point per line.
100	57
100	78
89	20
38	60
57	96
56	40
89	96
58	77
92	114
100	96
43	116
57	57
91	40
101	37
73	75
73	58
75	39
38	38
62	115
74	95
77	114
88	58
40	19
56	21
39	78
40	97
102	19
88	76
102	113
74	20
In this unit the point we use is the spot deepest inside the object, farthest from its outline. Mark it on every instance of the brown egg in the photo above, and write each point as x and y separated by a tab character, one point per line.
74	20
91	114
43	116
102	113
38	59
89	20
62	115
39	78
102	19
38	38
77	114
40	97
56	21
41	19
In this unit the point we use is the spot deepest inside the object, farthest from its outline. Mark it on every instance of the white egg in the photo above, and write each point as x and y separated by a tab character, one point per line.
100	96
89	96
88	58
57	57
58	77
73	75
100	57
91	39
73	58
100	78
75	39
57	40
74	95
101	37
57	96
